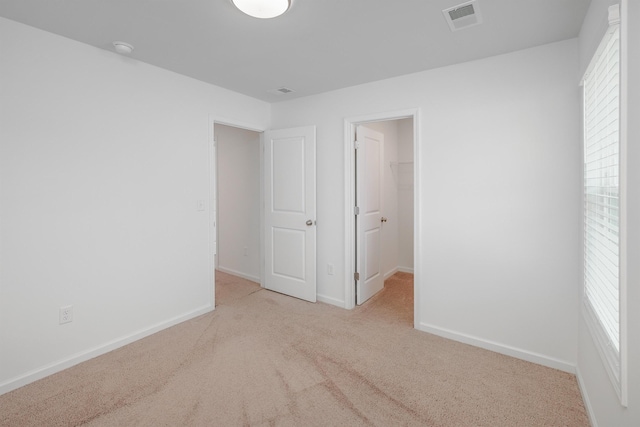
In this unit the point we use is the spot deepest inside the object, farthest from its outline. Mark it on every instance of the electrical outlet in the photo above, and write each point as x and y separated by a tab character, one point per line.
200	205
66	314
246	251
330	269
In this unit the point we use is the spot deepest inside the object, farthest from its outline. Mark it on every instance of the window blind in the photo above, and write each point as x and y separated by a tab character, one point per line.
601	87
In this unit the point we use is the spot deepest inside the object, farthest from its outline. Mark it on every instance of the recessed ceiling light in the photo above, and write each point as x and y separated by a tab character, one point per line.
123	48
263	8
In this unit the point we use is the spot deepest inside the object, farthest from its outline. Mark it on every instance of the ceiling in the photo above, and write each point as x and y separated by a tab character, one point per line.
317	46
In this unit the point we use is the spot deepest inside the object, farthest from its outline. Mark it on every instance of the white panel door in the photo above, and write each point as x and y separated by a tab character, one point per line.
369	160
290	212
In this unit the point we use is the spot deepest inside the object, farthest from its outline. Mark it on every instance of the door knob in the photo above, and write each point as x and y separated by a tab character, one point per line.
383	219
309	222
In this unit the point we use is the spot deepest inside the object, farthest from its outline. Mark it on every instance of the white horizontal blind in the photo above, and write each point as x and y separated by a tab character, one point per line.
601	195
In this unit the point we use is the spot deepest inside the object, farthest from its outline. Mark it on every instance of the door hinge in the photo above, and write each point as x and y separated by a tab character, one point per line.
356	144
356	276
356	210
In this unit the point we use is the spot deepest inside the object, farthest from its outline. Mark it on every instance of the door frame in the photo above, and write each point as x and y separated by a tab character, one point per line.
350	124
212	207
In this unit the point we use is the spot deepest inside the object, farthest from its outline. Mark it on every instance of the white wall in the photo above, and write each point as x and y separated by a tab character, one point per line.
601	399
499	169
102	160
238	201
405	194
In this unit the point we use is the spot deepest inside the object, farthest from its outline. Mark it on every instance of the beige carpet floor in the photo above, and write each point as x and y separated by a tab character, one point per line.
265	359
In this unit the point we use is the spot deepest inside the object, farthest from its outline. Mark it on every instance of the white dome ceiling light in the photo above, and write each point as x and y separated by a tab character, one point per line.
123	48
263	8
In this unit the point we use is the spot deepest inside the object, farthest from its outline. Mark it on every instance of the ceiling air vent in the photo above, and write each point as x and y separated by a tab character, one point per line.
464	15
281	91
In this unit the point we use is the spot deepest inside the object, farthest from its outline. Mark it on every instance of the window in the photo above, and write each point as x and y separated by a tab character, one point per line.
601	210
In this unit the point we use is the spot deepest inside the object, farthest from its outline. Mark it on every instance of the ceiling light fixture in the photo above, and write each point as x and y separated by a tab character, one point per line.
263	8
123	48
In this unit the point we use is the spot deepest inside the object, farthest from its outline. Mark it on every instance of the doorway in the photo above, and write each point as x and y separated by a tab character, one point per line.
398	179
251	170
238	201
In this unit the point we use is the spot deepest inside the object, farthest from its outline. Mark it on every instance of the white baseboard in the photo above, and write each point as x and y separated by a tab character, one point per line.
238	273
329	300
397	269
500	348
585	398
85	355
390	273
